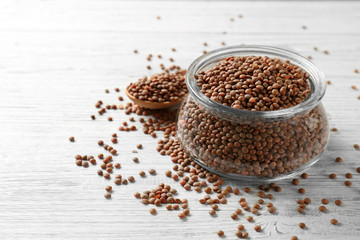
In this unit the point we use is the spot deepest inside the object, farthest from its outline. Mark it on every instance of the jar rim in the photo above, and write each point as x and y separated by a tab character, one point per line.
316	80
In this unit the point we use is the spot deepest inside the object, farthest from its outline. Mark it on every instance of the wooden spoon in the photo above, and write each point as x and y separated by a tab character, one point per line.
152	105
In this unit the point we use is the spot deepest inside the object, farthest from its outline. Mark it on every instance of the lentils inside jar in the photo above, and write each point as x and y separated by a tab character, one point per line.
255	83
239	145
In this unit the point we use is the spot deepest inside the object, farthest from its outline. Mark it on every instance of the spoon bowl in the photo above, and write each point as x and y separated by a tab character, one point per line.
153	105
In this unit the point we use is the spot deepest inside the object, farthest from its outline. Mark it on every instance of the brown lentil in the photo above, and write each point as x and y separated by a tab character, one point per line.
186	212
71	139
152	211
212	212
322	209
302	225
338	202
295	181
247	189
324	201
240	227
131	179
108	188
301	190
152	171
249	218
338	159
334	221
303	206
348	175
107	175
107	195
272	210
332	175
239	234
257	228
307	200
220	233
238	211
304	175
348	183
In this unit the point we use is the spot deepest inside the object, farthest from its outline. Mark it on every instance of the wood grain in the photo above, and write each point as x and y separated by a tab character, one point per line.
57	57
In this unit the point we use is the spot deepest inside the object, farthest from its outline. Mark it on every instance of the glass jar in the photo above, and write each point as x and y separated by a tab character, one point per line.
244	144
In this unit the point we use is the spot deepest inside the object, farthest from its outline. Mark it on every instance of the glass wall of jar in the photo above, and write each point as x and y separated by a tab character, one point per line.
242	144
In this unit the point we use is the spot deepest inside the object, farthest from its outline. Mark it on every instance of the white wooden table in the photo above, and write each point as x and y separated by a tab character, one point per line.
56	59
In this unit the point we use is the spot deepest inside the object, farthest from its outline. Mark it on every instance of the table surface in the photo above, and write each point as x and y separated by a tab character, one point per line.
58	57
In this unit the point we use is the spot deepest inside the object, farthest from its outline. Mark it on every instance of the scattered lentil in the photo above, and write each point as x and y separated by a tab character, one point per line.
152	211
332	175
249	218
338	202
302	225
152	171
324	201
322	209
348	183
295	181
304	175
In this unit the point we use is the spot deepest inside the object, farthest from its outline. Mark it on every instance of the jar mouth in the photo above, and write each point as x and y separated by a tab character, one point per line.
316	80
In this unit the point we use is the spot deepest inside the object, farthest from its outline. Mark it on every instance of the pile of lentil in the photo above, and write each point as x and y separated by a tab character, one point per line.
255	83
162	87
252	147
189	174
